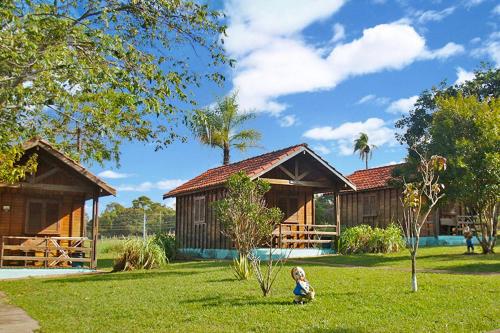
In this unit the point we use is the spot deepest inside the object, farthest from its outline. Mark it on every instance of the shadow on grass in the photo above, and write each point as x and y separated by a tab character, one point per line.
224	300
336	330
480	267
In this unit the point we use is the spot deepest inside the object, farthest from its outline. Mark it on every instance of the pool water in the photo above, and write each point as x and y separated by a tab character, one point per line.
18	273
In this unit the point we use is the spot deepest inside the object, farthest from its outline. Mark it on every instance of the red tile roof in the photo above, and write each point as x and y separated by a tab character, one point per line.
252	167
372	178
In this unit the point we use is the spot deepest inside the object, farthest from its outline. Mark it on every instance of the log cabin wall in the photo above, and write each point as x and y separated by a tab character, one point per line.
205	233
70	216
377	208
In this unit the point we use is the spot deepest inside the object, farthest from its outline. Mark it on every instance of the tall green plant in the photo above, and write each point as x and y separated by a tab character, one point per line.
140	254
364	148
218	126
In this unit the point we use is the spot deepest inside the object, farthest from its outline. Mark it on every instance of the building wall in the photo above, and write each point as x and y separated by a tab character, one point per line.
13	221
207	235
388	208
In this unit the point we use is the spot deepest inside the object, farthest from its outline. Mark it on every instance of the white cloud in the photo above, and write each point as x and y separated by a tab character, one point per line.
472	3
274	59
475	40
344	135
446	51
432	15
496	10
110	174
371	98
402	105
338	33
322	149
164	185
288	120
490	48
463	75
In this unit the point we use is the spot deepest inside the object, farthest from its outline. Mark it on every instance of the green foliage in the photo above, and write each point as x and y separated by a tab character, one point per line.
467	131
88	75
324	209
117	220
218	126
111	246
241	268
140	254
243	213
365	239
167	243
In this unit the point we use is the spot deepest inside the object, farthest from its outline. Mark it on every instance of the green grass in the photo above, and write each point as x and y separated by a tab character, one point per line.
201	296
450	258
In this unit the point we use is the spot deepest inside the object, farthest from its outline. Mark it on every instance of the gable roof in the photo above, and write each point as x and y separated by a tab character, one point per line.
254	167
39	143
373	178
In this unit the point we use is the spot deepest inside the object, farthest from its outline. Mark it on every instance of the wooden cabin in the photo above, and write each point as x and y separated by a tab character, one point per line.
42	218
376	203
295	173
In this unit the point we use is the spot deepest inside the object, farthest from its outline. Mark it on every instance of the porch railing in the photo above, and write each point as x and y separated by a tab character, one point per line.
308	234
49	251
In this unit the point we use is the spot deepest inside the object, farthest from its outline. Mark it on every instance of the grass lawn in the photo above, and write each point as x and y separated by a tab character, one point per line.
202	296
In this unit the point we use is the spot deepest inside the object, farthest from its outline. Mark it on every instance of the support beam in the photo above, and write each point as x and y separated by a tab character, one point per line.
95	230
337	212
285	170
297	182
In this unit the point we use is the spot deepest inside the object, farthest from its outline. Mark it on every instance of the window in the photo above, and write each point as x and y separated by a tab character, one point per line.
199	209
370	205
42	217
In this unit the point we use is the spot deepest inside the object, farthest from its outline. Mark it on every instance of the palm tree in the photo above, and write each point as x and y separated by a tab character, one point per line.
362	146
217	126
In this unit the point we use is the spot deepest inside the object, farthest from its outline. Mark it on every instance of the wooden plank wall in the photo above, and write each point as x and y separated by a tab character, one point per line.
209	236
389	209
12	223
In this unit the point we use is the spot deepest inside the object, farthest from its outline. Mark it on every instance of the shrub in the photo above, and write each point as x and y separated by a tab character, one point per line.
140	254
167	243
365	239
241	268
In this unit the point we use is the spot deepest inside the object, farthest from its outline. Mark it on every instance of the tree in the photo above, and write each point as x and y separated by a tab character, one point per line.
418	199
218	127
117	220
362	146
467	131
87	75
249	223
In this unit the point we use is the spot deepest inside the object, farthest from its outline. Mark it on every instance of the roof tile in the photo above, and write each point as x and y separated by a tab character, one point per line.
219	175
372	178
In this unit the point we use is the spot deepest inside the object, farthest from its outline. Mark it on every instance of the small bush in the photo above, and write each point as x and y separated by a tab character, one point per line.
365	239
241	268
167	243
140	254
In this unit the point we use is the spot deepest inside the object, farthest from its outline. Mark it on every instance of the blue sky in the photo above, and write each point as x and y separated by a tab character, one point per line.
320	72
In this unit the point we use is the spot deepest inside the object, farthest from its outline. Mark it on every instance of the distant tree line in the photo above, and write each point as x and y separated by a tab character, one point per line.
117	220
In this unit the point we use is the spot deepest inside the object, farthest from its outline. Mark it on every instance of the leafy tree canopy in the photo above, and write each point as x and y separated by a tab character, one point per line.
90	74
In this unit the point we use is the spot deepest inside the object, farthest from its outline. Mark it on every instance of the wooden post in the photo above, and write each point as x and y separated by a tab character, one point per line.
95	231
1	253
337	212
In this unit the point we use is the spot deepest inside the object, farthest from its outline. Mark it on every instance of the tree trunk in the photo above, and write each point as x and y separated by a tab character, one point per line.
366	162
226	154
414	286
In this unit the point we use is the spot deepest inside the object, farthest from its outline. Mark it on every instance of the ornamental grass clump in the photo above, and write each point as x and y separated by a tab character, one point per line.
140	254
167	243
365	239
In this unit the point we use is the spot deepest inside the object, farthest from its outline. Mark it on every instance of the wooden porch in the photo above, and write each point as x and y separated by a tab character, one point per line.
305	236
45	251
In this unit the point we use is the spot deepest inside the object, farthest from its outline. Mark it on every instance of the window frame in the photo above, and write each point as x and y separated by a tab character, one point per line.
373	211
28	230
200	208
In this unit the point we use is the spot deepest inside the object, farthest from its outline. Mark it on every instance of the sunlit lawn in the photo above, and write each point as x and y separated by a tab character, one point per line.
202	296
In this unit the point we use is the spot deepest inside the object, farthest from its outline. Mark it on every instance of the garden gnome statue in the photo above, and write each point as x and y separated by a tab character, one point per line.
303	291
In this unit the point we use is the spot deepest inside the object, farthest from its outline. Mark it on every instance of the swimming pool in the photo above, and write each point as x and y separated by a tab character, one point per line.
18	273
